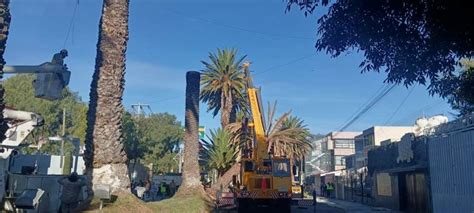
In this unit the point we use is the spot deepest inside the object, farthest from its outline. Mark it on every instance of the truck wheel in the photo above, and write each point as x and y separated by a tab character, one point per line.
242	206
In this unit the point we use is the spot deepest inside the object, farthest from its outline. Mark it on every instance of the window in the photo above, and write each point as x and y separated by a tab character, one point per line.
281	168
339	160
370	140
344	143
248	166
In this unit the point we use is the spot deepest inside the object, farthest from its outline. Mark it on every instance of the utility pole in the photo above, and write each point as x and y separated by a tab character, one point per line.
62	140
139	110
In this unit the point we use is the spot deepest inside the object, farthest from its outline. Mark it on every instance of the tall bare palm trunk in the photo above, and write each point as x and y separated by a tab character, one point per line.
225	178
191	174
105	155
4	26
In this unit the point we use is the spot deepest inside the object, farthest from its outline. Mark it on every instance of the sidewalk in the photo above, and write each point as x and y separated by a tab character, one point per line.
352	207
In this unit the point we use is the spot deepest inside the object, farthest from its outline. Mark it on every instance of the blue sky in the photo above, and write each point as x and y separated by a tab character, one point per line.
170	37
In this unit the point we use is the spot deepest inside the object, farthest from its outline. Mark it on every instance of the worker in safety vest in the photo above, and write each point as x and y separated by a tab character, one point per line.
330	188
163	190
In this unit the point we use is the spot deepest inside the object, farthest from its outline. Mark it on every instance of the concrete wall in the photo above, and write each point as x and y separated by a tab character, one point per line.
372	137
394	133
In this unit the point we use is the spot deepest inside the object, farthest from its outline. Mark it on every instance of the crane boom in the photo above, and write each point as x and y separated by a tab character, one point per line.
261	146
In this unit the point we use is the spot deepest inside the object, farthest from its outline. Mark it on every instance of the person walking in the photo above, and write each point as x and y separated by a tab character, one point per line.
172	187
72	186
314	194
330	188
323	189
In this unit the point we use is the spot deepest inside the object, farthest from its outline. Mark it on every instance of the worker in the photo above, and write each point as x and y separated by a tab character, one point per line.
172	187
314	194
72	186
163	190
58	58
330	188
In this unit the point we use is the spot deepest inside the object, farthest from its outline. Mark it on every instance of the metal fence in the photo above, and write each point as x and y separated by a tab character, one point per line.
451	165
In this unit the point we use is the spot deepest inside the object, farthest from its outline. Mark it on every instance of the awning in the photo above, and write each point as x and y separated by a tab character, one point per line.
406	169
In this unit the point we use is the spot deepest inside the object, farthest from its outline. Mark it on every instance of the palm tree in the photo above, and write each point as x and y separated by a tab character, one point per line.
105	154
191	184
287	135
240	131
219	151
301	149
4	27
223	82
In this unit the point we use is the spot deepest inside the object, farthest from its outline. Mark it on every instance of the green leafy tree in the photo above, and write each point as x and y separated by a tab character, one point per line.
19	94
223	82
5	19
219	151
460	89
153	139
415	41
161	134
131	138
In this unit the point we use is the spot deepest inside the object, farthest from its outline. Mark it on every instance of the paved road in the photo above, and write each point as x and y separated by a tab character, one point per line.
319	208
297	209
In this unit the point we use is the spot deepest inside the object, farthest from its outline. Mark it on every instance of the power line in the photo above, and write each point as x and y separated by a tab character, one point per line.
165	99
264	71
71	24
419	111
368	107
236	27
282	65
399	106
377	93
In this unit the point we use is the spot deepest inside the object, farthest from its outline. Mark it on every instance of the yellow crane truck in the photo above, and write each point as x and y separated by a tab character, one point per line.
265	179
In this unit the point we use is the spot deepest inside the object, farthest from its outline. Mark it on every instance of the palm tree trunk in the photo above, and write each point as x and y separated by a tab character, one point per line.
105	155
225	179
191	174
4	26
226	109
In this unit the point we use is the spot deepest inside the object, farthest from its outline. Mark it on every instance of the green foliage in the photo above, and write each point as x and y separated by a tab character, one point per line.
133	148
223	78
153	139
302	133
19	94
460	91
415	41
219	151
287	135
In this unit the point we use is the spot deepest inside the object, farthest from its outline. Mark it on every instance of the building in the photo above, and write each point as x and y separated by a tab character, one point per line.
313	160
335	146
377	136
398	174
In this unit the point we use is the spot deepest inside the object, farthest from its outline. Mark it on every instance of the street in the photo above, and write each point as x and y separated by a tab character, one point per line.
319	208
